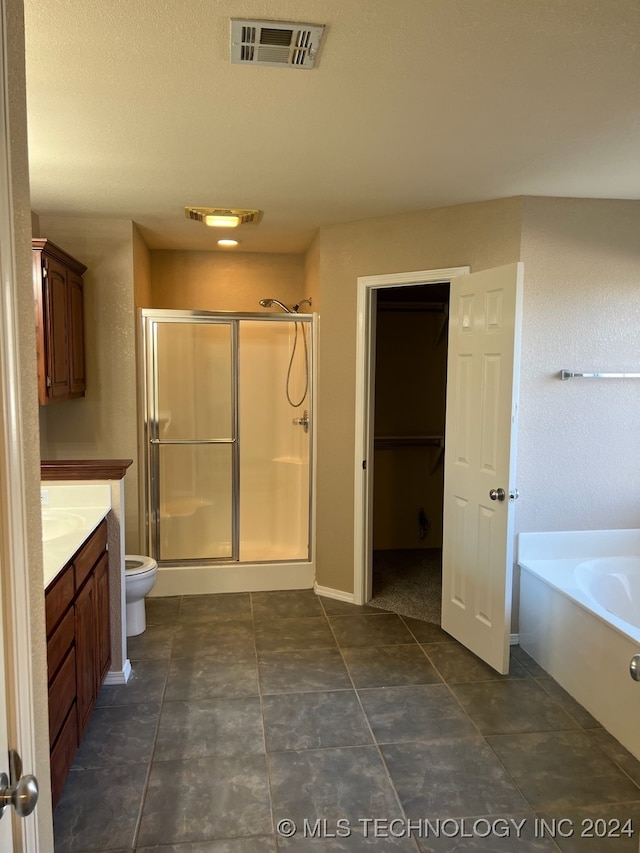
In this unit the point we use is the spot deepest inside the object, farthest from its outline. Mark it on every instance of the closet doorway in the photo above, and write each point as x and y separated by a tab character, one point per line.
409	396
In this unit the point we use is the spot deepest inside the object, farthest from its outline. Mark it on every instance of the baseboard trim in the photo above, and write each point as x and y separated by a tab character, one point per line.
337	594
119	676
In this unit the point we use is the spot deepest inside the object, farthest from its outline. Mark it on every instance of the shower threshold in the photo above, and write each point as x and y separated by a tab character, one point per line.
256	576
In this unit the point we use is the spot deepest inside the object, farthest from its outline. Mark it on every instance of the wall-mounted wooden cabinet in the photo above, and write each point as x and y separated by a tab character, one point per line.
59	302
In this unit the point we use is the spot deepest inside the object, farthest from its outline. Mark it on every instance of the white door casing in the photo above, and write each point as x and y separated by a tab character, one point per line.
364	414
480	455
6	834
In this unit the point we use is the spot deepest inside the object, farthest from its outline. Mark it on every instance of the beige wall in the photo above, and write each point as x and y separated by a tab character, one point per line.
312	274
103	424
141	271
482	235
28	402
578	461
217	281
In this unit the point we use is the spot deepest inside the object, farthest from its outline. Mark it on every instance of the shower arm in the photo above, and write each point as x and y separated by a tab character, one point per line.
269	303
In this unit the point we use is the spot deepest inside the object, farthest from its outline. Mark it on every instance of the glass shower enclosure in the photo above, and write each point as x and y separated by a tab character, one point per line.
226	432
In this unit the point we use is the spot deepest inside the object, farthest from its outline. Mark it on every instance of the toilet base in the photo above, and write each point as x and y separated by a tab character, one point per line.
136	618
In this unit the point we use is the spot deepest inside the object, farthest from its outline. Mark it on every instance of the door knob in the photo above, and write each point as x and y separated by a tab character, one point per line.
22	794
497	494
634	668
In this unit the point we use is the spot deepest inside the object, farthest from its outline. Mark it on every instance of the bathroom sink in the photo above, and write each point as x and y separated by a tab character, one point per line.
59	522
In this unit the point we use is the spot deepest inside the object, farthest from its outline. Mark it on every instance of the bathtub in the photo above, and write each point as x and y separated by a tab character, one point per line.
580	619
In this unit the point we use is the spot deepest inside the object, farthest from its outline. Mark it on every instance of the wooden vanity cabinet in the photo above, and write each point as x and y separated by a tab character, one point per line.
59	305
78	649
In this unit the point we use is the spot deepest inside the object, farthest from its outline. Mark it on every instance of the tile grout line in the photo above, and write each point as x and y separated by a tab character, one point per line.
367	721
145	789
264	728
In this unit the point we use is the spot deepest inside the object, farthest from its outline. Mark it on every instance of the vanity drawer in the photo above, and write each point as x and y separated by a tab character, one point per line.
60	642
58	598
62	694
87	556
63	754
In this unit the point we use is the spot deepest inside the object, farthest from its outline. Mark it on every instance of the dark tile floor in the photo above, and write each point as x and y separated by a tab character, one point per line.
249	714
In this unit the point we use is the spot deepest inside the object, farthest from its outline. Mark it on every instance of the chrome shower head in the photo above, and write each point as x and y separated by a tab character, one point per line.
268	303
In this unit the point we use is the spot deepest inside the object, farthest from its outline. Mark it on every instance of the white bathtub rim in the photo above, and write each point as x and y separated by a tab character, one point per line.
560	575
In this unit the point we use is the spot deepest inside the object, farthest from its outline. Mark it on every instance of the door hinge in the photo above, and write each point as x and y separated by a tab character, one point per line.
45	269
364	464
48	382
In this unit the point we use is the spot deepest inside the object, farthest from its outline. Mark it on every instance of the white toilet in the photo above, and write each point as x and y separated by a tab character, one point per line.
140	576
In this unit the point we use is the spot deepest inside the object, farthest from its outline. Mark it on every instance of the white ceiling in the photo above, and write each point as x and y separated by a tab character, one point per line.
136	111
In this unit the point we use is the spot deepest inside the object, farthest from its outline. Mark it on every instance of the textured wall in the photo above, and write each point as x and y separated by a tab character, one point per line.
141	271
220	281
103	424
578	462
29	406
482	235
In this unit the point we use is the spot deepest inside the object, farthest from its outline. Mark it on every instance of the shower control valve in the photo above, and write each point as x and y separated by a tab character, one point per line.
303	421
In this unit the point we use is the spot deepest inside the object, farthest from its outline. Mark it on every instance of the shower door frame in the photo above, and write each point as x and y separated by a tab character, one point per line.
151	443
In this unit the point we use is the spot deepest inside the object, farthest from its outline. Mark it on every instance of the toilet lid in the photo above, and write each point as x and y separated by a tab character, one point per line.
138	565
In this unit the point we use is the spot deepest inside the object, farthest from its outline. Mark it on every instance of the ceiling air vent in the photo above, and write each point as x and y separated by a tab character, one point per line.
275	43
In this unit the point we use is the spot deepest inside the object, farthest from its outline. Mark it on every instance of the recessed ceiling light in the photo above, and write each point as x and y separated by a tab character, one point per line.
228	242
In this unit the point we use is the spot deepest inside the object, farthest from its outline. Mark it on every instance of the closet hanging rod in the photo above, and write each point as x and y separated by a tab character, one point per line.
437	307
570	374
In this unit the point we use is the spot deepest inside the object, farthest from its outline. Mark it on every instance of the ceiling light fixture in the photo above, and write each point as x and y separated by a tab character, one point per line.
223	217
228	242
216	221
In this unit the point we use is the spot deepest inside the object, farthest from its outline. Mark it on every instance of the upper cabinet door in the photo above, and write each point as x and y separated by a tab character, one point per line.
77	380
480	453
59	313
57	329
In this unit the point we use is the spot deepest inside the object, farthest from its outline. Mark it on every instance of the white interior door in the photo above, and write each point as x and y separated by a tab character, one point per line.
480	444
17	727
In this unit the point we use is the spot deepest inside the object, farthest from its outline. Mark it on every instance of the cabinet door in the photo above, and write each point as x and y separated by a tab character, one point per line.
85	652
57	327
102	620
77	381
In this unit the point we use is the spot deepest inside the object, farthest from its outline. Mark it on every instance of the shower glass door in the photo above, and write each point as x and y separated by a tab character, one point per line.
227	430
193	441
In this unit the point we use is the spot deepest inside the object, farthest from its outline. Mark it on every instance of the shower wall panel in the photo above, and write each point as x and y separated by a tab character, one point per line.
274	478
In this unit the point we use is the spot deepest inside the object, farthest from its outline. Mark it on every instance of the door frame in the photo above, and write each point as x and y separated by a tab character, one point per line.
364	403
14	539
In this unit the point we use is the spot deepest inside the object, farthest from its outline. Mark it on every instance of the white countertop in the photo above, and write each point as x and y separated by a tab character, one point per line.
80	509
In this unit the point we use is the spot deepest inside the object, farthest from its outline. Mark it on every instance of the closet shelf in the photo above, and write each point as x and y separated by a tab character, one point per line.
383	442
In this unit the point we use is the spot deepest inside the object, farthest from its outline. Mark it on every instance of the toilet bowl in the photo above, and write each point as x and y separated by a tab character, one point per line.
140	576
